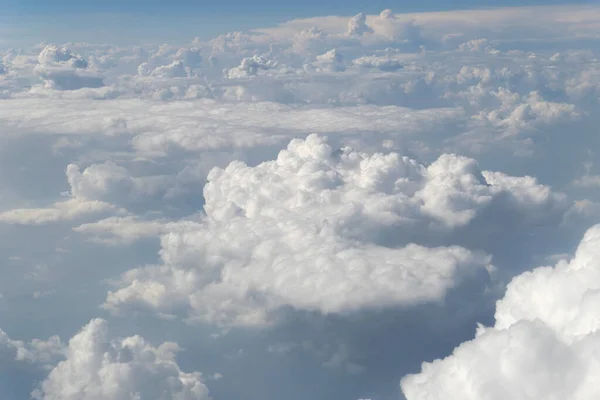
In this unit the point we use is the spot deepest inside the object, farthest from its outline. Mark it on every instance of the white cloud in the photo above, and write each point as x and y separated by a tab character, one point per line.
250	66
357	25
331	61
477	45
63	70
41	352
97	367
544	343
384	63
306	230
111	182
125	230
83	199
59	211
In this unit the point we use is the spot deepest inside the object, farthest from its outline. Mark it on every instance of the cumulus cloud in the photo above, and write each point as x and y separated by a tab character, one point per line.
357	25
174	70
331	61
114	183
250	66
477	45
41	352
81	201
321	230
63	70
543	345
97	367
21	363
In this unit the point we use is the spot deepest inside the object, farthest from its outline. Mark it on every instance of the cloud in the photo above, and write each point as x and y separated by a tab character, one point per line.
81	201
63	70
174	70
22	363
357	25
477	45
111	182
97	367
543	345
59	211
42	352
332	61
383	63
250	66
327	231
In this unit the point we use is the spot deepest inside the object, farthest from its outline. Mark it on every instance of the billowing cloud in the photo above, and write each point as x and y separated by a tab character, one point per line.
97	367
357	25
81	201
326	231
42	352
63	70
250	66
544	343
330	61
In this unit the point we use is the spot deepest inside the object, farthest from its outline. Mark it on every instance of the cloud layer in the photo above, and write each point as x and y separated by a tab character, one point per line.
311	209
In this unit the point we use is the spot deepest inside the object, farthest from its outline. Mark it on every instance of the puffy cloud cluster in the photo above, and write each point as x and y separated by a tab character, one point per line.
41	352
63	70
250	66
183	63
84	198
544	344
97	367
478	45
21	364
93	366
328	231
384	63
174	70
331	61
357	25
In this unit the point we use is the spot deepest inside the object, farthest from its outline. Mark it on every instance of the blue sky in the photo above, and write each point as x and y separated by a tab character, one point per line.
261	7
27	22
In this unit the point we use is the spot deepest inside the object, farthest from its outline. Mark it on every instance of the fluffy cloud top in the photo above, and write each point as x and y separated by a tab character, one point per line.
357	25
63	70
250	66
326	231
38	351
330	61
544	345
97	368
88	189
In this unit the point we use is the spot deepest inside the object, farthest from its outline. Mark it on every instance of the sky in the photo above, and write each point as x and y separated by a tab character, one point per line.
156	21
334	201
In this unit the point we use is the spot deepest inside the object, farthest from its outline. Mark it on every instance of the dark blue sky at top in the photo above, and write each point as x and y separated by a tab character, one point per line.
283	8
133	22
